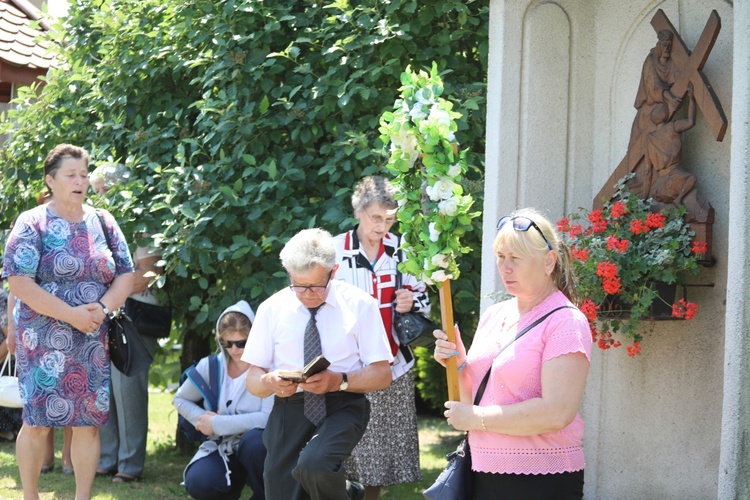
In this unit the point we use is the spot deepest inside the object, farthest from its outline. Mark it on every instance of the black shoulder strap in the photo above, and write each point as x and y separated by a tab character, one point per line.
399	255
483	385
104	229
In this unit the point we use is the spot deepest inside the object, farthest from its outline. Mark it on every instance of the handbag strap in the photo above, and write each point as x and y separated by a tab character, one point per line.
398	273
483	385
104	229
5	364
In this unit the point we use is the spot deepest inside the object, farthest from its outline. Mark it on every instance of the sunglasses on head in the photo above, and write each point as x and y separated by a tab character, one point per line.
227	344
521	223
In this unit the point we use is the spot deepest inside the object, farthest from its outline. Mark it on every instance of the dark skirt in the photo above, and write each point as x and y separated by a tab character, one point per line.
563	486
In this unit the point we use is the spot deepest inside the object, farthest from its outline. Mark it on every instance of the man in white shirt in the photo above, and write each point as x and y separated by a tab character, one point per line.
308	437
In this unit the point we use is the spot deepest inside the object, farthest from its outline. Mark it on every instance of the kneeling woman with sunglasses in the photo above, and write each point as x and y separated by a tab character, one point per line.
234	453
525	433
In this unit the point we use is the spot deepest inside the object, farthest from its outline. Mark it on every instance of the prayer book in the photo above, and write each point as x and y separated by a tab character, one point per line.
317	365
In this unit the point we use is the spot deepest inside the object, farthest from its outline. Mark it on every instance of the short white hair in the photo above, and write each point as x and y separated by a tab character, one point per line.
307	250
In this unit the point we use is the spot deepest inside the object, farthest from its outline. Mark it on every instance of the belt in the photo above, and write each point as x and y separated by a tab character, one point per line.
299	396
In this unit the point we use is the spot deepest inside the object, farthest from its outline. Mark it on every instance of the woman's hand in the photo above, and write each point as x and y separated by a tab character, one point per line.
462	416
444	349
404	300
87	318
204	423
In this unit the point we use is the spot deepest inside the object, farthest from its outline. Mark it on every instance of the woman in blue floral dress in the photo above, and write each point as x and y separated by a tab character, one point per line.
66	280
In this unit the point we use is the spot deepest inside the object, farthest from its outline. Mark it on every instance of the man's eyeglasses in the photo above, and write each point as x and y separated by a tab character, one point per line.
314	288
521	223
227	344
377	220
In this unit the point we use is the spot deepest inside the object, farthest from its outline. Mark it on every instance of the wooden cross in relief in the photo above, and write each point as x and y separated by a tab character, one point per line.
690	66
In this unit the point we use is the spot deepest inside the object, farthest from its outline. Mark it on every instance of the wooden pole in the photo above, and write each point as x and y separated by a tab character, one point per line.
446	313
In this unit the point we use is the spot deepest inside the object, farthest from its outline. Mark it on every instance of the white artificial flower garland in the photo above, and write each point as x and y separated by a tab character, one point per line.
428	169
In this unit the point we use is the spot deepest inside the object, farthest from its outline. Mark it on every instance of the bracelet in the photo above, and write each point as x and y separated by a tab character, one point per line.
481	419
462	366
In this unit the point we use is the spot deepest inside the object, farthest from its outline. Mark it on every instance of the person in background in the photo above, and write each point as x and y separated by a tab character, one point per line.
124	437
315	424
65	279
525	435
367	257
10	418
234	453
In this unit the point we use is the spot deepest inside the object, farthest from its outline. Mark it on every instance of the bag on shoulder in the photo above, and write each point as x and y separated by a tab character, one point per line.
150	320
209	390
127	351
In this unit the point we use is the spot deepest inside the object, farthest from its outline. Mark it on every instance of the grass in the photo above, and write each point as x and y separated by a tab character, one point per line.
164	464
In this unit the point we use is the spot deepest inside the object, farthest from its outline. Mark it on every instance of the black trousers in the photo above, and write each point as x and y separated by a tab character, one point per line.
563	486
304	462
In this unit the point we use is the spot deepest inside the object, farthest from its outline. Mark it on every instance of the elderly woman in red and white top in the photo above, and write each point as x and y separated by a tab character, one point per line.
526	435
367	255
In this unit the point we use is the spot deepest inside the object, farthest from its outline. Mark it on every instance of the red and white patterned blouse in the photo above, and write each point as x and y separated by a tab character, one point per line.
379	280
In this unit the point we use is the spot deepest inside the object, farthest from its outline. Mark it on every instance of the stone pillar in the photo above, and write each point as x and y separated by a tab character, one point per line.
734	466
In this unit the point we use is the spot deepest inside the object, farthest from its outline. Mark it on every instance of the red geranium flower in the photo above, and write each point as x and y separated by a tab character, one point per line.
637	226
598	223
684	309
563	225
700	247
575	230
618	210
581	254
613	243
655	221
634	349
606	269
589	308
611	286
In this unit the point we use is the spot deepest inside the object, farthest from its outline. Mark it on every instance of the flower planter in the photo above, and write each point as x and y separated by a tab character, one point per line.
661	309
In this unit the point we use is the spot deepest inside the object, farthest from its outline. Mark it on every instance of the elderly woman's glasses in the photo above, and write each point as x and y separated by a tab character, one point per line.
227	344
521	223
313	288
377	220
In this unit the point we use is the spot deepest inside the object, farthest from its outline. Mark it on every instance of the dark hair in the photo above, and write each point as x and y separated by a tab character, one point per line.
55	157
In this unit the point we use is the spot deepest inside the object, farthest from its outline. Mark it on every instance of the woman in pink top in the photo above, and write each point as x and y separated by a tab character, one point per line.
526	436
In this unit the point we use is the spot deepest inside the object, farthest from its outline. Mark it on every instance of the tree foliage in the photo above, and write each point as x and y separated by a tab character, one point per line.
242	122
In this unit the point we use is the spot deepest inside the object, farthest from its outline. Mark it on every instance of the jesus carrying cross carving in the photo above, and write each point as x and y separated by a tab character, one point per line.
669	70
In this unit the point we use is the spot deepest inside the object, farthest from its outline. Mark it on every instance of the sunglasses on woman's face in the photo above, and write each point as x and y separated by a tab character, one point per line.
521	223
227	344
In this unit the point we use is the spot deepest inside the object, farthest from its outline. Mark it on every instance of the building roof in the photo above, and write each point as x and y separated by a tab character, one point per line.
23	58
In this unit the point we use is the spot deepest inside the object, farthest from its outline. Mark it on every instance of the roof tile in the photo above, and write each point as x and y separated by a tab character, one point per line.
19	43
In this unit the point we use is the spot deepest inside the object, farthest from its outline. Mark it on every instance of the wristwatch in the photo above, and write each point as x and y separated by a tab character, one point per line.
104	308
344	383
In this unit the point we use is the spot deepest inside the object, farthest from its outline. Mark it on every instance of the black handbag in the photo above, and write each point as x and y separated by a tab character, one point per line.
127	351
412	328
150	320
455	482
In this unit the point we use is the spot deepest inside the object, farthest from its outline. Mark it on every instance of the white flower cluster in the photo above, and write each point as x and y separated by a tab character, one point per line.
428	169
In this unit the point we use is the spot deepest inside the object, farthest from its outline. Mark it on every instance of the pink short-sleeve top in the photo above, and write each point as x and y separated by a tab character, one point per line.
517	376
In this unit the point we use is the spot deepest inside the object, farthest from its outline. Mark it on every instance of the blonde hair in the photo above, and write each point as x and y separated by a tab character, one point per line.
530	242
231	322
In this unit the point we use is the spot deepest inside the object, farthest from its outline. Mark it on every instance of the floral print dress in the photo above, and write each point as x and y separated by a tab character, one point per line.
64	373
